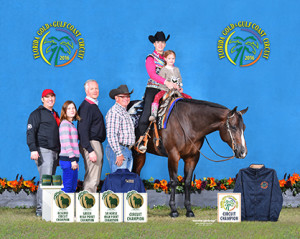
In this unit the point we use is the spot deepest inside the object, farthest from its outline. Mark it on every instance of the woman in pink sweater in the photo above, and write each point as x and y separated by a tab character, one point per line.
69	153
156	83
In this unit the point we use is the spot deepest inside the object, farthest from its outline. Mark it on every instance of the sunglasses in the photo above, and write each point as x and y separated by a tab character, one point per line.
124	96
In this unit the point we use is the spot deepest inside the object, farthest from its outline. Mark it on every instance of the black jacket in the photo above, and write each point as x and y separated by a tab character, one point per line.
261	194
42	130
91	126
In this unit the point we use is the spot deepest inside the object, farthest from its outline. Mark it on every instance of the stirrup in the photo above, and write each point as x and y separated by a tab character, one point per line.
139	147
142	148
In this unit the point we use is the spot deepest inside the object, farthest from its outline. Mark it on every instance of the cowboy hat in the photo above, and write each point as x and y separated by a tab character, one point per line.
122	89
159	36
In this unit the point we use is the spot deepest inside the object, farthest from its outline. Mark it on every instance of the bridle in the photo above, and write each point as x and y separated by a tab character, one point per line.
233	144
229	131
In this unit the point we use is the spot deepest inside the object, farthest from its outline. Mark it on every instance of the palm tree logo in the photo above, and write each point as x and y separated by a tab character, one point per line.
63	44
249	44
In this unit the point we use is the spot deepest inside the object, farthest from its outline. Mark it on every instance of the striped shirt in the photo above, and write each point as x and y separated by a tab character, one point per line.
68	137
119	128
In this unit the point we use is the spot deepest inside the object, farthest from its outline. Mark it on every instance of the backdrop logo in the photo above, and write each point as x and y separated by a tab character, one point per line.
243	43
58	43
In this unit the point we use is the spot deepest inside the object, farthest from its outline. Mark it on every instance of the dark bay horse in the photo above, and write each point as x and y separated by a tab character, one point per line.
188	124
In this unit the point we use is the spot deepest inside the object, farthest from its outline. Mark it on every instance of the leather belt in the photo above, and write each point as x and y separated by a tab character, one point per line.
127	146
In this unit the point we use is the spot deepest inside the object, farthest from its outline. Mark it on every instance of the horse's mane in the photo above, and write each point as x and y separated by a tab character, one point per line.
203	102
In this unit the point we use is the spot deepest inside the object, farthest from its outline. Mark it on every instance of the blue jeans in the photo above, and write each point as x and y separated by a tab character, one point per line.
70	176
111	156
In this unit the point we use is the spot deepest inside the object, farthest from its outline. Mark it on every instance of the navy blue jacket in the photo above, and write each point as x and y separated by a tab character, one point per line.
123	181
261	194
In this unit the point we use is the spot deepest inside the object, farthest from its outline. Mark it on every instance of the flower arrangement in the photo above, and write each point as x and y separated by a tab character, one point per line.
197	185
17	185
292	183
211	184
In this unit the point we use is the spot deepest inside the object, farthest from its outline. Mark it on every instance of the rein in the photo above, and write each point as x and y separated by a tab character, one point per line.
228	129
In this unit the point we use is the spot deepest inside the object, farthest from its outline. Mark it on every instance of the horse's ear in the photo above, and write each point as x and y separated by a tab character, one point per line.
244	111
231	113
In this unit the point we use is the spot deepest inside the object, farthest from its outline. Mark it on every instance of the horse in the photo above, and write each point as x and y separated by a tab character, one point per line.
188	124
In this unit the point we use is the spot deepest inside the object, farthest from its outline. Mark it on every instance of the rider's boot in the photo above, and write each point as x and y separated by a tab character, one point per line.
154	109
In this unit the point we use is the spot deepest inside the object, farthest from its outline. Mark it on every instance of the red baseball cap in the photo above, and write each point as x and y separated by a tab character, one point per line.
47	91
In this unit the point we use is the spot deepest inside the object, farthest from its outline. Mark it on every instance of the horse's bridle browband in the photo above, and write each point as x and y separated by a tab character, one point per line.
233	145
228	129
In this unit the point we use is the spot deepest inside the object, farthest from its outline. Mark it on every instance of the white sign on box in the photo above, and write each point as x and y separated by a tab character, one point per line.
87	207
63	207
135	207
229	207
111	207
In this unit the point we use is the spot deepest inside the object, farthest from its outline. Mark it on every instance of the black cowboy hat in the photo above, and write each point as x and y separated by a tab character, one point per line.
159	36
122	89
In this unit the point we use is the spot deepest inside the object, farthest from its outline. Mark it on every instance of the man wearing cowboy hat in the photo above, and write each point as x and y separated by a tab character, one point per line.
120	130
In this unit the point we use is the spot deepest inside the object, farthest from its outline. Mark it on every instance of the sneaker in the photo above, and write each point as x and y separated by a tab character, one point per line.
152	118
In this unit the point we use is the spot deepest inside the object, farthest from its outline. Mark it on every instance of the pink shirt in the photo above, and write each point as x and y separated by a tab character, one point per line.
151	69
68	137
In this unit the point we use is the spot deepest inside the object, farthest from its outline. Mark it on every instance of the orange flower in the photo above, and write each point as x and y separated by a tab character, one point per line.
192	184
164	188
282	183
163	182
33	188
296	177
223	187
156	186
198	183
2	183
292	180
20	181
230	181
28	184
13	184
179	178
212	182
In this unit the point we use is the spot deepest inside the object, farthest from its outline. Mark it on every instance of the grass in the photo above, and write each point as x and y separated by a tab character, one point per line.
22	223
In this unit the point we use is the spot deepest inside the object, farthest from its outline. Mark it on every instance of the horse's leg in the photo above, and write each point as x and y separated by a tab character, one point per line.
138	162
173	159
189	167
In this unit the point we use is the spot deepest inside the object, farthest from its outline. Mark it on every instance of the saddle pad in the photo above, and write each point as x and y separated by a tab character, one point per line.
163	120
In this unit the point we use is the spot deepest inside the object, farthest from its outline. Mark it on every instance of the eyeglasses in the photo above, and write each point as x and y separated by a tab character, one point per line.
124	96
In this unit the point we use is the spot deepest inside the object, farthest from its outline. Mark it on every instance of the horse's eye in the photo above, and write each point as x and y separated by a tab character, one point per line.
233	127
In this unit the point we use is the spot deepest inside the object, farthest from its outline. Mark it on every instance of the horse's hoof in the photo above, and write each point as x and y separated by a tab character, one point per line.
190	214
174	214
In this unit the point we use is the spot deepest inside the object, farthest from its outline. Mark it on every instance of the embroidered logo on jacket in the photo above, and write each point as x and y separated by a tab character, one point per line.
264	185
129	180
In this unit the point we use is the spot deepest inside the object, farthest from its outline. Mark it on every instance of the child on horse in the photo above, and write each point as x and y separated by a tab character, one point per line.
172	74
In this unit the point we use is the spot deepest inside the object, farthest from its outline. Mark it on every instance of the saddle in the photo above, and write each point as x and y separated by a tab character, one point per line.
165	107
163	113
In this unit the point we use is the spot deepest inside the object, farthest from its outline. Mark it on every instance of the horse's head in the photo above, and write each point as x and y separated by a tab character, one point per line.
232	132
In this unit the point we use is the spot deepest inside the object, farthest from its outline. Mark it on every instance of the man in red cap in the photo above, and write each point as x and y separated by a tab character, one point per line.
43	139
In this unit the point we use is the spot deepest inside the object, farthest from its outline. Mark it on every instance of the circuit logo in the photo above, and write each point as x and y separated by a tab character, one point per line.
58	43
243	44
